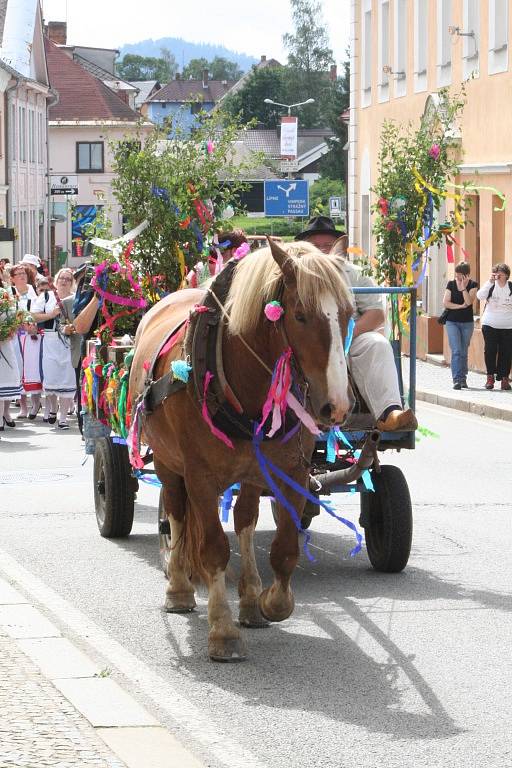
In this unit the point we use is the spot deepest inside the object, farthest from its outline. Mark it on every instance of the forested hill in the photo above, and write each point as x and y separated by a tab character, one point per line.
184	51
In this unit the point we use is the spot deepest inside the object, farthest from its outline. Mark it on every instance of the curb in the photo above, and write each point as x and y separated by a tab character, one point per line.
131	733
468	406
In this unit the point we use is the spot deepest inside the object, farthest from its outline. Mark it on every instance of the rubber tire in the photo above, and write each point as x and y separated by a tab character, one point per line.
305	520
114	489
386	516
164	539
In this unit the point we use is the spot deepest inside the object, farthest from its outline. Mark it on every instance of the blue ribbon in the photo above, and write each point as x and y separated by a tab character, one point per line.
149	479
267	467
227	502
161	193
350	335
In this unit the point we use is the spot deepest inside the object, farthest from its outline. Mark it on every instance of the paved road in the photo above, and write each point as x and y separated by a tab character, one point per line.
371	670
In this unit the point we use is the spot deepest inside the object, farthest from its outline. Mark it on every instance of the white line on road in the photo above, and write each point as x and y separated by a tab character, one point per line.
191	719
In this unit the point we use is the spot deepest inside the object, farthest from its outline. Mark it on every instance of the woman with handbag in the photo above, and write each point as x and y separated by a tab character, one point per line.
497	326
458	303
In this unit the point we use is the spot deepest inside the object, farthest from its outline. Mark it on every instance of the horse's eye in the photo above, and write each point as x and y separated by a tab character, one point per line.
300	317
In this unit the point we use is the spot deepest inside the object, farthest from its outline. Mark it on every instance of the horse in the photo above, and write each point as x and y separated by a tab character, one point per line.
195	466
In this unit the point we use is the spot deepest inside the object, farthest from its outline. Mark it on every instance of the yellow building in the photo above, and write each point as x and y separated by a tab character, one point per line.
402	52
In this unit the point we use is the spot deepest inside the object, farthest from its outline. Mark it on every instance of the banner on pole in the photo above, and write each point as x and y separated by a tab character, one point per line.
289	137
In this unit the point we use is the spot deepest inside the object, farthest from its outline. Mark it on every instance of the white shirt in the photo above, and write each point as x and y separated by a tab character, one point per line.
23	299
498	309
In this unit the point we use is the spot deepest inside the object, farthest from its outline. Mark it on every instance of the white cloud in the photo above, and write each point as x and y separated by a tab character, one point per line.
242	25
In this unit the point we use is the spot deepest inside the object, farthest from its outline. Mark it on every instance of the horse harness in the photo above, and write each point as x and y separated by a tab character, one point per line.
203	349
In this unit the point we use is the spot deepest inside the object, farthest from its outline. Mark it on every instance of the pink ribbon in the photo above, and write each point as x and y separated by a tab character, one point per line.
174	339
302	414
133	439
277	394
206	414
124	301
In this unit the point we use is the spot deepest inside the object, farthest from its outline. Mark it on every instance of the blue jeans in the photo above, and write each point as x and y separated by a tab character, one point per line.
459	336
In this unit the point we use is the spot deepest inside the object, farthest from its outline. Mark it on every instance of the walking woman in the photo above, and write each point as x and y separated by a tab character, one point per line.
29	340
458	300
10	377
497	326
53	310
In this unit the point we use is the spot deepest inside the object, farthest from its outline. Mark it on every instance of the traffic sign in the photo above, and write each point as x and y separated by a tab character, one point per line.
64	185
289	166
335	207
285	197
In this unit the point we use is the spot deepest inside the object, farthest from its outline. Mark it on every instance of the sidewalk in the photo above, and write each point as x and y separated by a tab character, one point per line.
59	709
434	385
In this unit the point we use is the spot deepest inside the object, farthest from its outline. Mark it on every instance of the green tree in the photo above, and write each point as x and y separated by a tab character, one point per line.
309	62
320	193
133	67
194	69
336	102
181	186
248	102
223	69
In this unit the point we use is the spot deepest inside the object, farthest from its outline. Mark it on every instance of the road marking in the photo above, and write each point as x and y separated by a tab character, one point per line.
186	715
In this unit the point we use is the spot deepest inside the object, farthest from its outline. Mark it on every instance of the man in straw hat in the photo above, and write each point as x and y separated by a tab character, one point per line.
371	359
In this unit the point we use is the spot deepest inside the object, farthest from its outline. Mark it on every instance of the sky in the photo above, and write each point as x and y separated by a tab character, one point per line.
254	27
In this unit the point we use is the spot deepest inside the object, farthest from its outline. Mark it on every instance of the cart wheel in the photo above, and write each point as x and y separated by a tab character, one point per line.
305	520
164	536
386	516
114	489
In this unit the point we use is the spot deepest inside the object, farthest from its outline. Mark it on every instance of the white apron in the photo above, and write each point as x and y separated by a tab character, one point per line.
28	352
10	377
59	376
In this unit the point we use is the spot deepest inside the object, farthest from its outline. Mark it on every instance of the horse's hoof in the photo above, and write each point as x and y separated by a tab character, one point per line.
249	616
227	650
180	602
276	609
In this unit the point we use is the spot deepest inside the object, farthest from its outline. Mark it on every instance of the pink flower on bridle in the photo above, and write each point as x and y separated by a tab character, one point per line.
242	251
273	311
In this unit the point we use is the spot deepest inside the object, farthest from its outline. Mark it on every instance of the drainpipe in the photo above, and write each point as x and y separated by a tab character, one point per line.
355	45
8	174
52	98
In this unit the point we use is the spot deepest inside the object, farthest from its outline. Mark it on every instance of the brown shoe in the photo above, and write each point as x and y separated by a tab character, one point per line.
505	383
399	421
489	384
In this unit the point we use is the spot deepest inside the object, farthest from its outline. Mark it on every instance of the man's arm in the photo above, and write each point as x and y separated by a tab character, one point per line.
371	320
86	317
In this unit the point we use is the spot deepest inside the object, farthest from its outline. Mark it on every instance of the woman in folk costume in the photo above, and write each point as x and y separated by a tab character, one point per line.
29	341
53	312
10	377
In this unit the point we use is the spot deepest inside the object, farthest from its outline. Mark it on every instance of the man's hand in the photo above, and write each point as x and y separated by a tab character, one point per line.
371	320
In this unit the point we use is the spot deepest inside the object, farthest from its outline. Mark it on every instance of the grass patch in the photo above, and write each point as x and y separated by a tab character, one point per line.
272	225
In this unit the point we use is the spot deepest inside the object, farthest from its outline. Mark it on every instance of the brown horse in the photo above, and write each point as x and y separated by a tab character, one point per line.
195	467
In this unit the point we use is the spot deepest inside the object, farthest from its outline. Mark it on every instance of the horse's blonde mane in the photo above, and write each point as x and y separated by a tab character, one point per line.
258	279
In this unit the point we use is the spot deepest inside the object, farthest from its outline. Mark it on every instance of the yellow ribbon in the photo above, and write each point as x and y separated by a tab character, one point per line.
88	377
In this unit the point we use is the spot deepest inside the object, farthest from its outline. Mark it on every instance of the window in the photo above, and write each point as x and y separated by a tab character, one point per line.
31	136
444	42
42	138
22	133
498	36
471	39
33	233
384	57
89	156
400	66
366	73
12	137
420	45
196	107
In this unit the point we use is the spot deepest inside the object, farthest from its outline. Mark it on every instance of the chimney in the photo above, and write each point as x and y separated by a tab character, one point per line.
333	75
57	32
263	59
205	78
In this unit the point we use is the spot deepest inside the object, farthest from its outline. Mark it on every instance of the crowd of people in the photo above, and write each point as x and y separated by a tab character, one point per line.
39	365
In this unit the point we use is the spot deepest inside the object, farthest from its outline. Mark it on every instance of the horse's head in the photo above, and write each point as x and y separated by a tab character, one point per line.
317	311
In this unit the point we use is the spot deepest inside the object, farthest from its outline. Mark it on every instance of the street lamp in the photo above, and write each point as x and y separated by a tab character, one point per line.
289	107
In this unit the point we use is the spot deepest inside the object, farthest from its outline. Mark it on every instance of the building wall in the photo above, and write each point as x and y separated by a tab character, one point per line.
158	111
27	166
440	60
94	188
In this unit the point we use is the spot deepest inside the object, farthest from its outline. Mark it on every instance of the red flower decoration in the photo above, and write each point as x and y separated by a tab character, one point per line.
383	206
434	151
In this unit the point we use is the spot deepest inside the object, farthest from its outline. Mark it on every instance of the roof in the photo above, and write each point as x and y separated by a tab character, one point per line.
145	88
102	74
81	95
181	91
240	84
311	145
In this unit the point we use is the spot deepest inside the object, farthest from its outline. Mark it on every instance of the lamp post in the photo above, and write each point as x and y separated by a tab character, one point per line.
289	107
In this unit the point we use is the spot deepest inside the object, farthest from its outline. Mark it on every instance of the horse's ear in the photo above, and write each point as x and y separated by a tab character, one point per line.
283	261
339	247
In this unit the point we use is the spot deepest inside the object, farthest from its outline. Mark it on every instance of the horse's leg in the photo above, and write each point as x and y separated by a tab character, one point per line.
276	602
249	585
208	551
179	596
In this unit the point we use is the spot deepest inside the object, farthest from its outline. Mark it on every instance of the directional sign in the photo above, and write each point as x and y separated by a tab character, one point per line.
64	185
285	197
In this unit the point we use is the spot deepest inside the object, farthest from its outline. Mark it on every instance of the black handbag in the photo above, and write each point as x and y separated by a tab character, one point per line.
443	317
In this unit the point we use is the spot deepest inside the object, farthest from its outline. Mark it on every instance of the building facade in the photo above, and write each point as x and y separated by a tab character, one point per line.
402	53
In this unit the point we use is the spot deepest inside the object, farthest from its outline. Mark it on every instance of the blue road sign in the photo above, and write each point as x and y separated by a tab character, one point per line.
287	197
